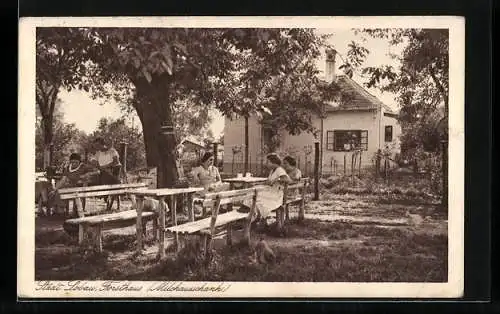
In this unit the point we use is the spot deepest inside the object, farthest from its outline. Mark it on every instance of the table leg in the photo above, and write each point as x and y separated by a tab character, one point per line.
138	227
190	206
173	210
161	241
229	237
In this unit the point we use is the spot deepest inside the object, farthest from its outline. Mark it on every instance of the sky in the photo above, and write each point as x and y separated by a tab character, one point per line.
79	108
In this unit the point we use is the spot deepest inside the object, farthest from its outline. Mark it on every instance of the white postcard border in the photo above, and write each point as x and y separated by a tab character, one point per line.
28	287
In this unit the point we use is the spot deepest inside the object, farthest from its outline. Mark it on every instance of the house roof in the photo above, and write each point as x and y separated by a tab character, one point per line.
363	100
193	141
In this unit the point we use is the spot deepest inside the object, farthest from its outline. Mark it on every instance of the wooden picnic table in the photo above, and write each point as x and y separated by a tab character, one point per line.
160	195
245	181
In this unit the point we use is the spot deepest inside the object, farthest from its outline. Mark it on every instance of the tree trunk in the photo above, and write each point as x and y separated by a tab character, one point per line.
150	130
48	134
154	110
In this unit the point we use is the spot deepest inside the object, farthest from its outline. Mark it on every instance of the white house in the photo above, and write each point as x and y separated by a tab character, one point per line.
364	120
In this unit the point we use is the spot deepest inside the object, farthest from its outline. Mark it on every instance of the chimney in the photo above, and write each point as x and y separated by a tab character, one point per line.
330	65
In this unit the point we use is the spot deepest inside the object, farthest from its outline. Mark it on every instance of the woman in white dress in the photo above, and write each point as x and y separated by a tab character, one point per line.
271	197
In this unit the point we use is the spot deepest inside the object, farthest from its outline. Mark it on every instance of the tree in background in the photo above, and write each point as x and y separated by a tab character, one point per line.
60	63
420	83
66	138
421	86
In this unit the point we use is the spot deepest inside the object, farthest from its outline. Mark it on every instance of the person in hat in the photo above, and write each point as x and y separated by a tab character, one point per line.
76	174
107	160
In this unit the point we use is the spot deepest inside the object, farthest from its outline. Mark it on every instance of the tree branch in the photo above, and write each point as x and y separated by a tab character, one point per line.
440	87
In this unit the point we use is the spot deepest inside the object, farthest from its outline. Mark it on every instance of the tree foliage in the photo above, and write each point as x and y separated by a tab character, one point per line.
236	71
66	138
420	83
60	63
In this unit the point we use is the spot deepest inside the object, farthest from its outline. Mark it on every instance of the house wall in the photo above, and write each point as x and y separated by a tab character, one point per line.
347	120
332	162
395	145
234	135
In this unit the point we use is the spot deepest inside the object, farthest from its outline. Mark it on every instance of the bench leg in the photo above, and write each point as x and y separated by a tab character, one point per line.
173	211
145	229
67	208
161	240
81	234
190	207
79	207
302	210
204	243
155	228
287	213
138	224
96	236
279	218
229	238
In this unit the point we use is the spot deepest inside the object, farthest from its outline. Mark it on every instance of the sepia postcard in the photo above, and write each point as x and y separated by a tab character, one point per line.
241	157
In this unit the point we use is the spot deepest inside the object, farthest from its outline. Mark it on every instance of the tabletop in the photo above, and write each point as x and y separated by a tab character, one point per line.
167	191
246	179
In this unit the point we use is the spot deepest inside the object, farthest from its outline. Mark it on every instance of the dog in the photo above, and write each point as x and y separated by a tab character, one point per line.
263	253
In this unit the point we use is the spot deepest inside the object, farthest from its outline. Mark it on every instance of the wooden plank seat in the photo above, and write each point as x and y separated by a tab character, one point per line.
90	228
78	194
206	228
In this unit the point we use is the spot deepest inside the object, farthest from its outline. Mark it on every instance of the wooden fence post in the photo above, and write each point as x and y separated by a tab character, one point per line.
345	166
360	152
316	171
377	164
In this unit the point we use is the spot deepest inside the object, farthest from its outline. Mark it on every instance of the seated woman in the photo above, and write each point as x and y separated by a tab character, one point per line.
290	166
75	174
207	175
271	197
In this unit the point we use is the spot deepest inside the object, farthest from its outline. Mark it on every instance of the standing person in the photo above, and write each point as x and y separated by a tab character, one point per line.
181	177
107	160
290	166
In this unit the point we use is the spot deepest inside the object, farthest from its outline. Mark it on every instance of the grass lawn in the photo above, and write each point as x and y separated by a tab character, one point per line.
345	238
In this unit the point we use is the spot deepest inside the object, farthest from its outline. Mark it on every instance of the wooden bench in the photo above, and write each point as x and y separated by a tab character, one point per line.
78	194
283	212
300	188
206	228
90	228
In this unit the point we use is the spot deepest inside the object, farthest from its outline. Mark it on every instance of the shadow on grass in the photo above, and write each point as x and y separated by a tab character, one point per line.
380	255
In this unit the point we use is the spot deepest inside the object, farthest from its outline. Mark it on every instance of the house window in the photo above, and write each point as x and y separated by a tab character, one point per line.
388	133
329	140
346	140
